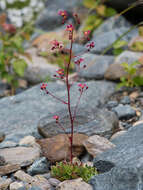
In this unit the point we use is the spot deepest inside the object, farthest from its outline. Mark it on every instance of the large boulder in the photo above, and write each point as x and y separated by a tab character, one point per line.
21	113
49	18
121	166
88	121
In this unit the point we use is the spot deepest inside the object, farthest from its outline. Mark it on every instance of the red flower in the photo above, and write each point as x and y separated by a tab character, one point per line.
43	86
77	62
9	28
69	27
90	46
87	34
63	14
56	45
82	87
56	117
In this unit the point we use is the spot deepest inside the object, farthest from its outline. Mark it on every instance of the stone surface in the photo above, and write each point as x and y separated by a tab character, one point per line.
9	168
8	144
88	121
28	140
96	145
54	182
57	148
104	40
76	184
125	100
22	156
39	166
16	185
38	180
4	183
31	106
117	134
115	71
124	111
38	68
126	160
96	65
111	24
111	104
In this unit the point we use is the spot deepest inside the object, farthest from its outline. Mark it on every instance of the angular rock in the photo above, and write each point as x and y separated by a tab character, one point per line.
57	148
88	121
125	100
104	40
76	184
96	145
22	156
115	71
8	144
111	24
16	185
38	181
39	166
54	182
127	163
32	105
4	183
96	66
117	134
124	111
9	168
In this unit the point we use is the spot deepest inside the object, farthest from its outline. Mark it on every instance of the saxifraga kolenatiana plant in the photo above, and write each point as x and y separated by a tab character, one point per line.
70	170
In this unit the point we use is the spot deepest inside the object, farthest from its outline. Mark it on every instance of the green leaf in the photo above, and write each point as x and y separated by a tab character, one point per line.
19	67
110	12
117	51
119	44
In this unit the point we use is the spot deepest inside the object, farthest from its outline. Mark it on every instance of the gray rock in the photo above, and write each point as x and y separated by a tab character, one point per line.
124	111
96	66
126	163
104	40
22	188
111	104
88	121
125	100
50	14
39	166
111	24
23	111
128	56
8	144
77	48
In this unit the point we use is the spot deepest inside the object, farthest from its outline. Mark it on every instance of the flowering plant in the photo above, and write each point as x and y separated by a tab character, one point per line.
64	74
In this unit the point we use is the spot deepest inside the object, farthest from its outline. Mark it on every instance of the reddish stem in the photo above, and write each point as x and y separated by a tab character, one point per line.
56	97
69	104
